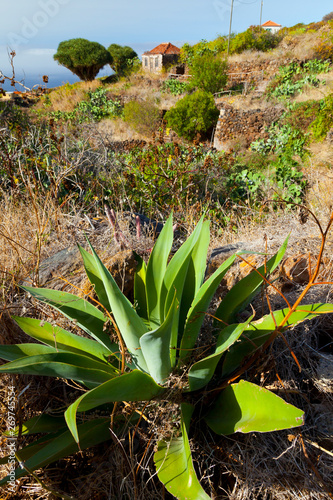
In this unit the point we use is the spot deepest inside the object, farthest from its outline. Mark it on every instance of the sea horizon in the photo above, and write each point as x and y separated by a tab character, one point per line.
34	80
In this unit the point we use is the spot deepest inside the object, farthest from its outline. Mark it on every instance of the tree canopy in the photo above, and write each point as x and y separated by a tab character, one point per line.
195	113
209	73
82	57
121	57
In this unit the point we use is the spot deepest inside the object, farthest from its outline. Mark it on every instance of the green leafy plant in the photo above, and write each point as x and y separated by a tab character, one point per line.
293	78
282	138
155	357
96	107
290	182
246	186
195	113
175	87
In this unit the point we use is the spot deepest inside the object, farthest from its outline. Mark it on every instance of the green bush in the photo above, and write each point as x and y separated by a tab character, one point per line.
122	58
82	57
209	73
192	115
254	38
189	52
142	116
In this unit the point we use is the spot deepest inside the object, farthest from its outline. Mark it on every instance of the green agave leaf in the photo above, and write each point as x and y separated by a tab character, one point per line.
156	267
94	277
133	386
140	298
40	423
176	272
61	339
243	292
86	316
257	332
131	326
60	445
202	371
174	280
17	351
246	407
195	273
156	347
174	465
196	314
64	365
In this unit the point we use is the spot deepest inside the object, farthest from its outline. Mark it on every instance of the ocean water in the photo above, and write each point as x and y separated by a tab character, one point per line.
34	80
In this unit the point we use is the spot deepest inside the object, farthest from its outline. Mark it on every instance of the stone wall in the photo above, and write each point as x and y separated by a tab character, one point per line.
242	126
253	72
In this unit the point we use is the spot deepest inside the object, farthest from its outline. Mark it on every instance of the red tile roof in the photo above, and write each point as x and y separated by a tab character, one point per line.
271	24
164	48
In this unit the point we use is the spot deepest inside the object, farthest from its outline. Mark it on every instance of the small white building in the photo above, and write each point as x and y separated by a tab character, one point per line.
161	56
271	26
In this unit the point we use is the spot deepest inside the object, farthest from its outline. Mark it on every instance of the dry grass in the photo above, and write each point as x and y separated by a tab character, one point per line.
25	234
320	175
65	98
253	56
117	130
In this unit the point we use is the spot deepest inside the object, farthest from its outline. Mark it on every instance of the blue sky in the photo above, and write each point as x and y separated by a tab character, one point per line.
34	28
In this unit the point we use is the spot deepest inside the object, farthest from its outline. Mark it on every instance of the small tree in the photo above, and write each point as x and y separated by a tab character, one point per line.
209	73
122	58
195	113
82	57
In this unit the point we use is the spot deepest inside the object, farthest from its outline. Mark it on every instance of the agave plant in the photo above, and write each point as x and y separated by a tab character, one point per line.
157	340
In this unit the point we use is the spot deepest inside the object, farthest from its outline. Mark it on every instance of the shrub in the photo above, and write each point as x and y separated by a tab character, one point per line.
82	57
254	38
328	17
188	52
143	116
209	73
122	58
195	113
301	115
324	49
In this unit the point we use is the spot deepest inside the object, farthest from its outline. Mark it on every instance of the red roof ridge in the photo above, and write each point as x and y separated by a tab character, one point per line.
271	23
164	48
